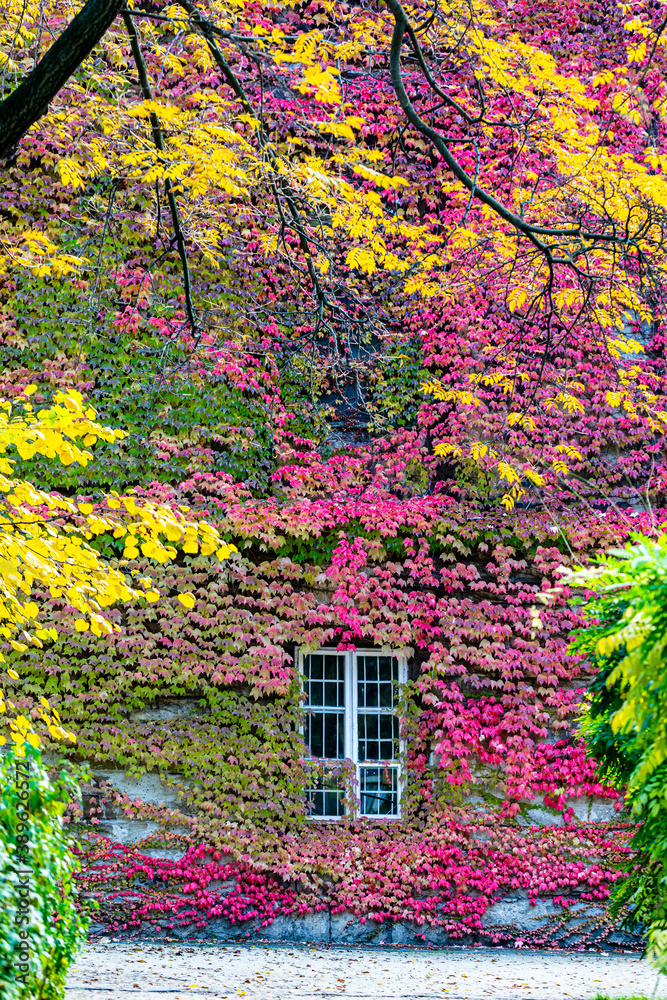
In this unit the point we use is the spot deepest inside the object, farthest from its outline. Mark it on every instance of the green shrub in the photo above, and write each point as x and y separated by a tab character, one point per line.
625	724
55	928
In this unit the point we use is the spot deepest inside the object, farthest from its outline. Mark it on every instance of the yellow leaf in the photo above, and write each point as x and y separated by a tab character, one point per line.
534	477
446	448
569	450
81	625
515	300
187	600
12	673
506	472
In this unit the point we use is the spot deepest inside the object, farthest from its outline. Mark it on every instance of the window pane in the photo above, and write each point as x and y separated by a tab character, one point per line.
386	695
324	679
314	733
313	666
378	736
316	693
385	670
377	681
388	737
334	735
326	798
379	791
333	665
324	734
324	685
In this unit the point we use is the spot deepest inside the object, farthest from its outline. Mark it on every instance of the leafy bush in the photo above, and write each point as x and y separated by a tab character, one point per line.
56	928
626	719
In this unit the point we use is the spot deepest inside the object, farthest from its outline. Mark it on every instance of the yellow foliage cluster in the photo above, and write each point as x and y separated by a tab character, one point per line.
21	728
490	458
573	130
213	144
45	538
625	189
36	252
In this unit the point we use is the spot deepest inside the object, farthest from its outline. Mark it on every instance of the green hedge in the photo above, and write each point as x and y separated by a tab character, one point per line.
54	929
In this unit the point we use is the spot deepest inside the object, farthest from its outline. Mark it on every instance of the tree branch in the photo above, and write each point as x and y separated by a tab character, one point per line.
31	99
158	139
401	28
298	226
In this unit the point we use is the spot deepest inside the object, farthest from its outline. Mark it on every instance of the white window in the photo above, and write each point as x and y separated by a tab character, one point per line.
350	715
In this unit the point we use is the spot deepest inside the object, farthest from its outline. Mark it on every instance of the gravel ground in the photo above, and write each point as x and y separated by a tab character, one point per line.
112	971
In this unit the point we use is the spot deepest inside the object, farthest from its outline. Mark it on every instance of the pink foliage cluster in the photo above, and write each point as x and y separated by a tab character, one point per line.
446	877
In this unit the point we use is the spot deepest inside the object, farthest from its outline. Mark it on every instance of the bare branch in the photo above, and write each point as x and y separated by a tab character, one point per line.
158	139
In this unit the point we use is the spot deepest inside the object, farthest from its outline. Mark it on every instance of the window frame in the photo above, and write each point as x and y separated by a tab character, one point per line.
351	723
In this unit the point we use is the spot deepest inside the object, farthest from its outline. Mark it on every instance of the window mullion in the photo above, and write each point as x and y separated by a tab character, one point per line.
402	681
354	717
351	707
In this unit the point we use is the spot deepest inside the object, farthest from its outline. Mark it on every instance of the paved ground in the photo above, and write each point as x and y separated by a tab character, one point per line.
176	972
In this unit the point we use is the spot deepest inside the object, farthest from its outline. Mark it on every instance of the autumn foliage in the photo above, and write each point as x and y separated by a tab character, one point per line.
376	292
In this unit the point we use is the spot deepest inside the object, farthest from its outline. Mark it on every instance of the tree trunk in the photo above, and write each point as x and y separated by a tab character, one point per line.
30	100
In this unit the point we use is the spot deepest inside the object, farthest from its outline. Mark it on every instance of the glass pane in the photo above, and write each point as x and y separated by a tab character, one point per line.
386	698
326	798
315	664
378	736
334	735
386	668
324	734
324	685
332	665
316	693
377	681
379	791
324	679
314	734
